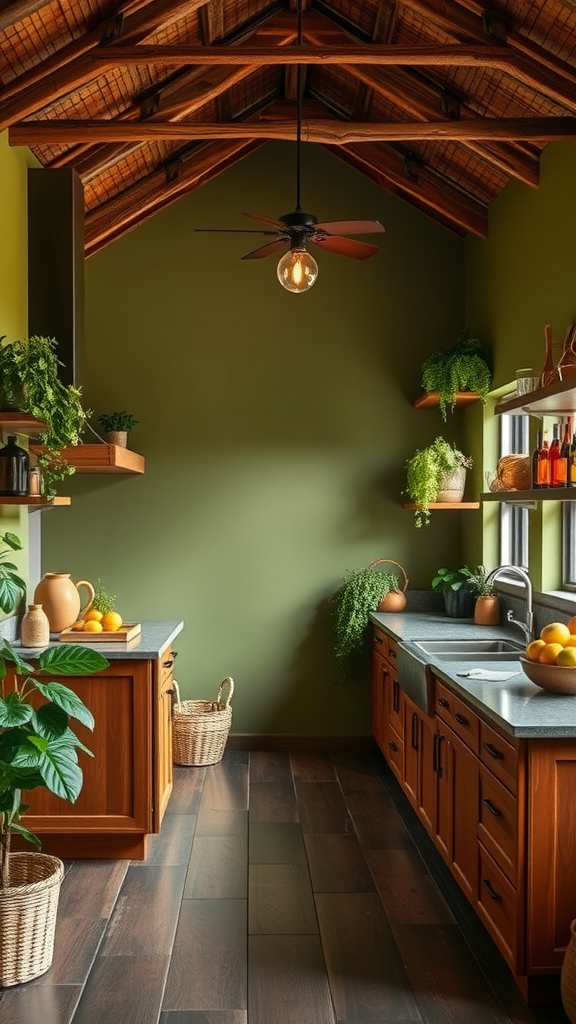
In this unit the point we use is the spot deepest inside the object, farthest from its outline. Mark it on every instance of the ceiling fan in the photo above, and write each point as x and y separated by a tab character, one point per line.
297	270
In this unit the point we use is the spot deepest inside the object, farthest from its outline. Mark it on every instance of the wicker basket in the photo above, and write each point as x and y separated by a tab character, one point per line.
513	473
200	727
28	910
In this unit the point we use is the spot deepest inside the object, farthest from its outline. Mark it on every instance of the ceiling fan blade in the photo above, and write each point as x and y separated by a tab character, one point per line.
346	246
265	250
238	231
267	220
350	227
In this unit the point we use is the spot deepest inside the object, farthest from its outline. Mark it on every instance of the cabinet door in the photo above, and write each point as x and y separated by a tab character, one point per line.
419	746
456	808
163	759
379	675
114	809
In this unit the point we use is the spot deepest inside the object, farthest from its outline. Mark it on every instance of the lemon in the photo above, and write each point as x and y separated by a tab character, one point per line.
92	626
78	625
549	653
567	657
111	622
93	616
555	633
571	641
533	650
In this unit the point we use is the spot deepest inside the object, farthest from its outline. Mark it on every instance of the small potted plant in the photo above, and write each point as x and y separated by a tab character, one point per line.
30	383
37	748
454	585
463	367
360	593
487	607
116	426
435	473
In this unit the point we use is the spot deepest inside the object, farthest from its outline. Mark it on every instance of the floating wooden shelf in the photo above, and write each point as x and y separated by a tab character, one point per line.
456	505
557	399
431	399
35	501
537	494
101	458
21	423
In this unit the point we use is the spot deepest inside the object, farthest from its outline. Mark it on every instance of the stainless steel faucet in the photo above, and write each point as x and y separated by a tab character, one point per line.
507	570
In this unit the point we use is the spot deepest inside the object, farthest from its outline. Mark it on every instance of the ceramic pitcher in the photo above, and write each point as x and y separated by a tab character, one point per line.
60	599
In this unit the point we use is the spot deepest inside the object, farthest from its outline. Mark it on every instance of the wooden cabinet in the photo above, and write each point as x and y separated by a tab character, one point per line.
387	702
128	781
420	740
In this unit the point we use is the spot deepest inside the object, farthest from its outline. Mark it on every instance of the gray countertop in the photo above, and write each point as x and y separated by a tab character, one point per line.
516	704
151	643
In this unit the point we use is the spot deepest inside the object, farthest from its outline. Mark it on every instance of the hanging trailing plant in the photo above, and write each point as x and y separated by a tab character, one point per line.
359	594
424	473
463	367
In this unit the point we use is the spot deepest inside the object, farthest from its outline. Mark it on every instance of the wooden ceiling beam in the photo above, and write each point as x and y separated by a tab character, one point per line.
326	132
13	12
69	67
422	100
387	167
158	190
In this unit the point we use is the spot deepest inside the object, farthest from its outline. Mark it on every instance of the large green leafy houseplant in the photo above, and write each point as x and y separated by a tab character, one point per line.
29	382
425	471
463	367
359	594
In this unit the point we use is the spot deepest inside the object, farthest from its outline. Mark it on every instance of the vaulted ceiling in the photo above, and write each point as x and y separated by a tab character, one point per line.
439	102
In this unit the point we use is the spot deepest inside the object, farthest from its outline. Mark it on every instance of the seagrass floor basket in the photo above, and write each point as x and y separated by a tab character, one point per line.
28	909
200	728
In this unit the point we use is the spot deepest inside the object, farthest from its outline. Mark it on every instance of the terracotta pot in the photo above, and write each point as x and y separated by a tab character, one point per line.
487	611
60	599
393	601
568	977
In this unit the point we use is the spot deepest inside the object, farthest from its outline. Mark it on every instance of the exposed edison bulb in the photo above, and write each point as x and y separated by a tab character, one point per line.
297	270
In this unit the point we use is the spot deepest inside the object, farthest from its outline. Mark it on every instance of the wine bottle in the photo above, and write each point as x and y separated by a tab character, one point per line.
555	459
572	463
534	460
564	462
544	465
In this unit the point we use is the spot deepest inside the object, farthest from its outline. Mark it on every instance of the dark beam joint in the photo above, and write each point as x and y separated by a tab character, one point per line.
450	106
412	166
494	28
150	106
173	171
111	29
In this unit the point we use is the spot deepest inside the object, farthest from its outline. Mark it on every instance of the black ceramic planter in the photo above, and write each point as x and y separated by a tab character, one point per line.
459	603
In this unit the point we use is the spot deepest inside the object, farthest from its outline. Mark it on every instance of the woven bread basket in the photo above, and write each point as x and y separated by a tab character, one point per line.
28	910
200	727
513	473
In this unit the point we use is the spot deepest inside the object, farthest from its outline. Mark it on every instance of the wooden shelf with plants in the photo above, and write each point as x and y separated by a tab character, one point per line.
35	501
455	505
86	458
431	399
558	399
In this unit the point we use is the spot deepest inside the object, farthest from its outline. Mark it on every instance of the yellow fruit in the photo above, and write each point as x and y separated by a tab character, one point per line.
571	641
549	653
93	616
572	625
92	626
533	650
567	657
555	633
111	622
78	625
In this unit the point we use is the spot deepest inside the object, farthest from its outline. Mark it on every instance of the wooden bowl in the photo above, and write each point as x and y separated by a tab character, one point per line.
554	678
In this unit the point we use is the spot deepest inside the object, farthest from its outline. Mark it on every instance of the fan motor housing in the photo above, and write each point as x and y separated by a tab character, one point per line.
298	219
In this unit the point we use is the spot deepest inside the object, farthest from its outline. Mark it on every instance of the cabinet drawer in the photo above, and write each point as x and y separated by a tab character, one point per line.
394	753
500	756
498	823
498	908
166	665
461	719
385	646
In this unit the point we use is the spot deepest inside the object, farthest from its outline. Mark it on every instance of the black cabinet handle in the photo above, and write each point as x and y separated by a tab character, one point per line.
396	696
391	652
436	759
172	691
378	639
414	731
492	894
393	746
168	664
444	703
497	754
493	810
461	719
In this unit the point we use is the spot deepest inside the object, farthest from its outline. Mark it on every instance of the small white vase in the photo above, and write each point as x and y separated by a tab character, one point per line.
452	485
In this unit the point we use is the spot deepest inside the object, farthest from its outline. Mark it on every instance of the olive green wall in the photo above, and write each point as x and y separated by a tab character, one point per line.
275	429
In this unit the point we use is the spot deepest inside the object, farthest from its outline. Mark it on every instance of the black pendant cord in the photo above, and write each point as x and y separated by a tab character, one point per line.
299	106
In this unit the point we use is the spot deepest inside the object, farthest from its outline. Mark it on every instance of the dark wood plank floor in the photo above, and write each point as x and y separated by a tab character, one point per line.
283	889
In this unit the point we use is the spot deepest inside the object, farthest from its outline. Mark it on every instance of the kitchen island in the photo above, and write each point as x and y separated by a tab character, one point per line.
127	784
489	767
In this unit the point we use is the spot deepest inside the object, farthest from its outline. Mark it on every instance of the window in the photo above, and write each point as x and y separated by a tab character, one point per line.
569	545
514	440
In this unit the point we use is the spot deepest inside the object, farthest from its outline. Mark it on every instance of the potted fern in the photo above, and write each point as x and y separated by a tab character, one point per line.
30	384
462	367
436	473
116	426
487	606
360	593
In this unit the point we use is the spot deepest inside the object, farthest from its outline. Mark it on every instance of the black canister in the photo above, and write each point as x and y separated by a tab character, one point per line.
14	469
